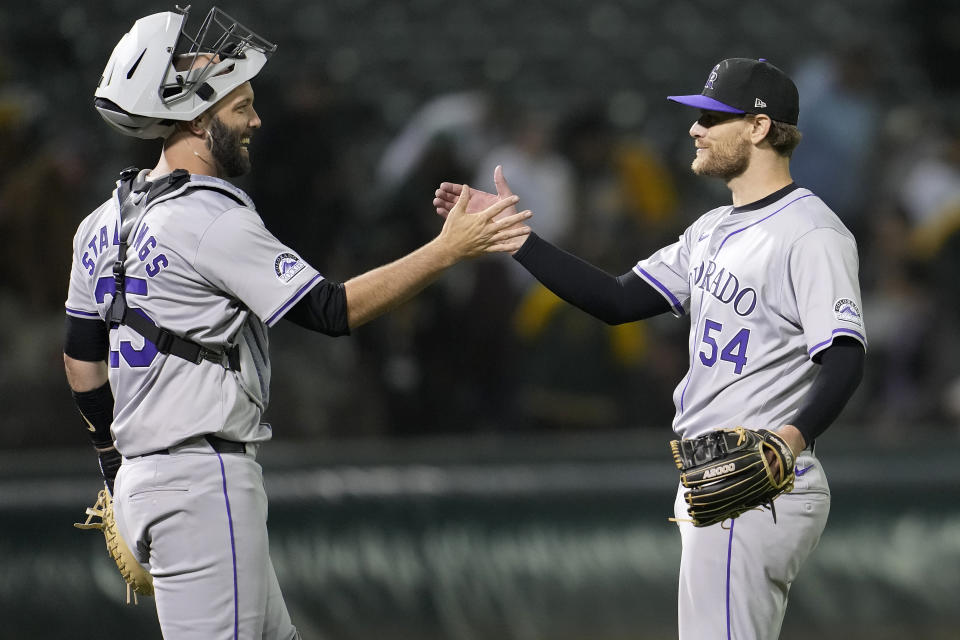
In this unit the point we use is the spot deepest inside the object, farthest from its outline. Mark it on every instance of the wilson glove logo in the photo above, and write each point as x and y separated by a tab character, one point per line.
719	471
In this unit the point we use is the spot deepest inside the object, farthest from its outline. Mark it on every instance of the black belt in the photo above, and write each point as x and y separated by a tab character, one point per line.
219	445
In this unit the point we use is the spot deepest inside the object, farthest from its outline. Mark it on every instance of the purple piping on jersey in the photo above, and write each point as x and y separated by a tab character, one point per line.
292	301
853	333
690	372
233	552
733	233
85	314
729	562
659	285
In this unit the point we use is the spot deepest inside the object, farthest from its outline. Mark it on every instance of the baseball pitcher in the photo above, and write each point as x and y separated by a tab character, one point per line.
776	349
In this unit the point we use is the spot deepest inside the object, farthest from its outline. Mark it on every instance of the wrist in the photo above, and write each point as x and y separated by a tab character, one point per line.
525	248
793	437
441	253
110	462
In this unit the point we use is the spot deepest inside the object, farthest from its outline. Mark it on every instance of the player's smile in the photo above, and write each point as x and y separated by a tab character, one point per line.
229	147
727	155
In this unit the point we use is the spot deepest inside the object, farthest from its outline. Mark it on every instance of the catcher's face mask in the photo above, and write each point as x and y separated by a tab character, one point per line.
159	74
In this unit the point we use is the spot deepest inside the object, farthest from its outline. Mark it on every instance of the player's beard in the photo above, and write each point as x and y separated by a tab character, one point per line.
724	159
228	153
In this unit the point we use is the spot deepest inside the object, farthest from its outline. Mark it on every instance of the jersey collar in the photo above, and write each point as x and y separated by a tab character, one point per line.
174	185
210	182
768	200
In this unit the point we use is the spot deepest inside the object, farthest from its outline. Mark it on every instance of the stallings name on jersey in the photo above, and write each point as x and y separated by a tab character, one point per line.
725	287
143	244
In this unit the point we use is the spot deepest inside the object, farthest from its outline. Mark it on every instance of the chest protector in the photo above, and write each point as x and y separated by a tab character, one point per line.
133	195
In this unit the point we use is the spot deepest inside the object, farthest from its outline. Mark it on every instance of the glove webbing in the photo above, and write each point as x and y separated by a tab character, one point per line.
99	510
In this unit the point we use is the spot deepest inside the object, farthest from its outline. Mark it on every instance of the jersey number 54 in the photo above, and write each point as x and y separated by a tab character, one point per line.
735	351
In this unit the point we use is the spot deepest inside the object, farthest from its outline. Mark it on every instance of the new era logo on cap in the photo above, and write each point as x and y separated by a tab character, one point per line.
745	85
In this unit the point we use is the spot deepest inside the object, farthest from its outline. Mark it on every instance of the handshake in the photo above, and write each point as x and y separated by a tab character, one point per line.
499	208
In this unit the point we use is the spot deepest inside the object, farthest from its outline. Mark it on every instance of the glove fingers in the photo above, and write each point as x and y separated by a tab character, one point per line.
740	491
136	577
705	511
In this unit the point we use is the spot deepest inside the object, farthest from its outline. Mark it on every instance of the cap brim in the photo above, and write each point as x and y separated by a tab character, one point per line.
703	102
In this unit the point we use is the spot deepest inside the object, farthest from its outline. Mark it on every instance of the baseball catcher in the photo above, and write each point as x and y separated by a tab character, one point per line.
729	471
166	347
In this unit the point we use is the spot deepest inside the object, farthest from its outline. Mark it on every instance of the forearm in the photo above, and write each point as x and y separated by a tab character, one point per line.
83	375
614	300
91	393
94	399
841	370
379	290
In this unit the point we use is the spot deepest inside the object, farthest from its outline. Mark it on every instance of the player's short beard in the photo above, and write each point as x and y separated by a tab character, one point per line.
224	143
727	160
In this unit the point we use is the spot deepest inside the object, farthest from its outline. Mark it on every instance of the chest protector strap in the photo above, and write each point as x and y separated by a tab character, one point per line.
133	195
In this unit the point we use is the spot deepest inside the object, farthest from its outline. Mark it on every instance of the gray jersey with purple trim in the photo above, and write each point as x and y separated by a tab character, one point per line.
766	289
203	266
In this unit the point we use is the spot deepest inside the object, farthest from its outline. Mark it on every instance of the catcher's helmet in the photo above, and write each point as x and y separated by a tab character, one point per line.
142	93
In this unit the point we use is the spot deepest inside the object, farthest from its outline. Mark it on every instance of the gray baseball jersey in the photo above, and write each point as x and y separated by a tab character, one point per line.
202	265
767	287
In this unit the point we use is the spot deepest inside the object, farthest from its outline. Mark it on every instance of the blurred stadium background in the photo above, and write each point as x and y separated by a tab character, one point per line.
486	462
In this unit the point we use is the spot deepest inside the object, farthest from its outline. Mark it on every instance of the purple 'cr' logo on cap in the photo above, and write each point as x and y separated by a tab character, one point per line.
712	78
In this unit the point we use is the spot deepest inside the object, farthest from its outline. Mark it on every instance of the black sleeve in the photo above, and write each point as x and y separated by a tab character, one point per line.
841	369
323	309
96	407
614	300
86	339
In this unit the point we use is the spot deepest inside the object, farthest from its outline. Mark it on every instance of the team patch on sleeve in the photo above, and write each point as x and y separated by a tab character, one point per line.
288	265
847	310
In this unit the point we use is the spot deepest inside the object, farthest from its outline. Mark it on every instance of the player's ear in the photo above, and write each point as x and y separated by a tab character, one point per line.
197	126
760	127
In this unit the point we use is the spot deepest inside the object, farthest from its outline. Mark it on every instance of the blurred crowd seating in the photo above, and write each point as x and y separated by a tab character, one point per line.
368	105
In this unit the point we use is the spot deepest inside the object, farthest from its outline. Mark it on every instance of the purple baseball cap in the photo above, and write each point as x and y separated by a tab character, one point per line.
745	85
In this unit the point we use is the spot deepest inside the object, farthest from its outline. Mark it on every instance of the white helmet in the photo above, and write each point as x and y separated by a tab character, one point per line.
141	92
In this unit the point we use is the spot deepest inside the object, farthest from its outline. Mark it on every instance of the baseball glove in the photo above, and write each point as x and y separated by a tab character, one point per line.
137	578
728	471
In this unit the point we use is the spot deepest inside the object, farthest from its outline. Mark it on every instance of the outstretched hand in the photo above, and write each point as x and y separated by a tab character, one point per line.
469	231
447	194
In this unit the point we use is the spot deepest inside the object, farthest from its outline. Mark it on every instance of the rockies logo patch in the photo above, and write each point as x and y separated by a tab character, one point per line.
288	265
847	310
712	77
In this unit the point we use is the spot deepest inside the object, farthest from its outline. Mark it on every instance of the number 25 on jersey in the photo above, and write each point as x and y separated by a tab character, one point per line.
132	356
